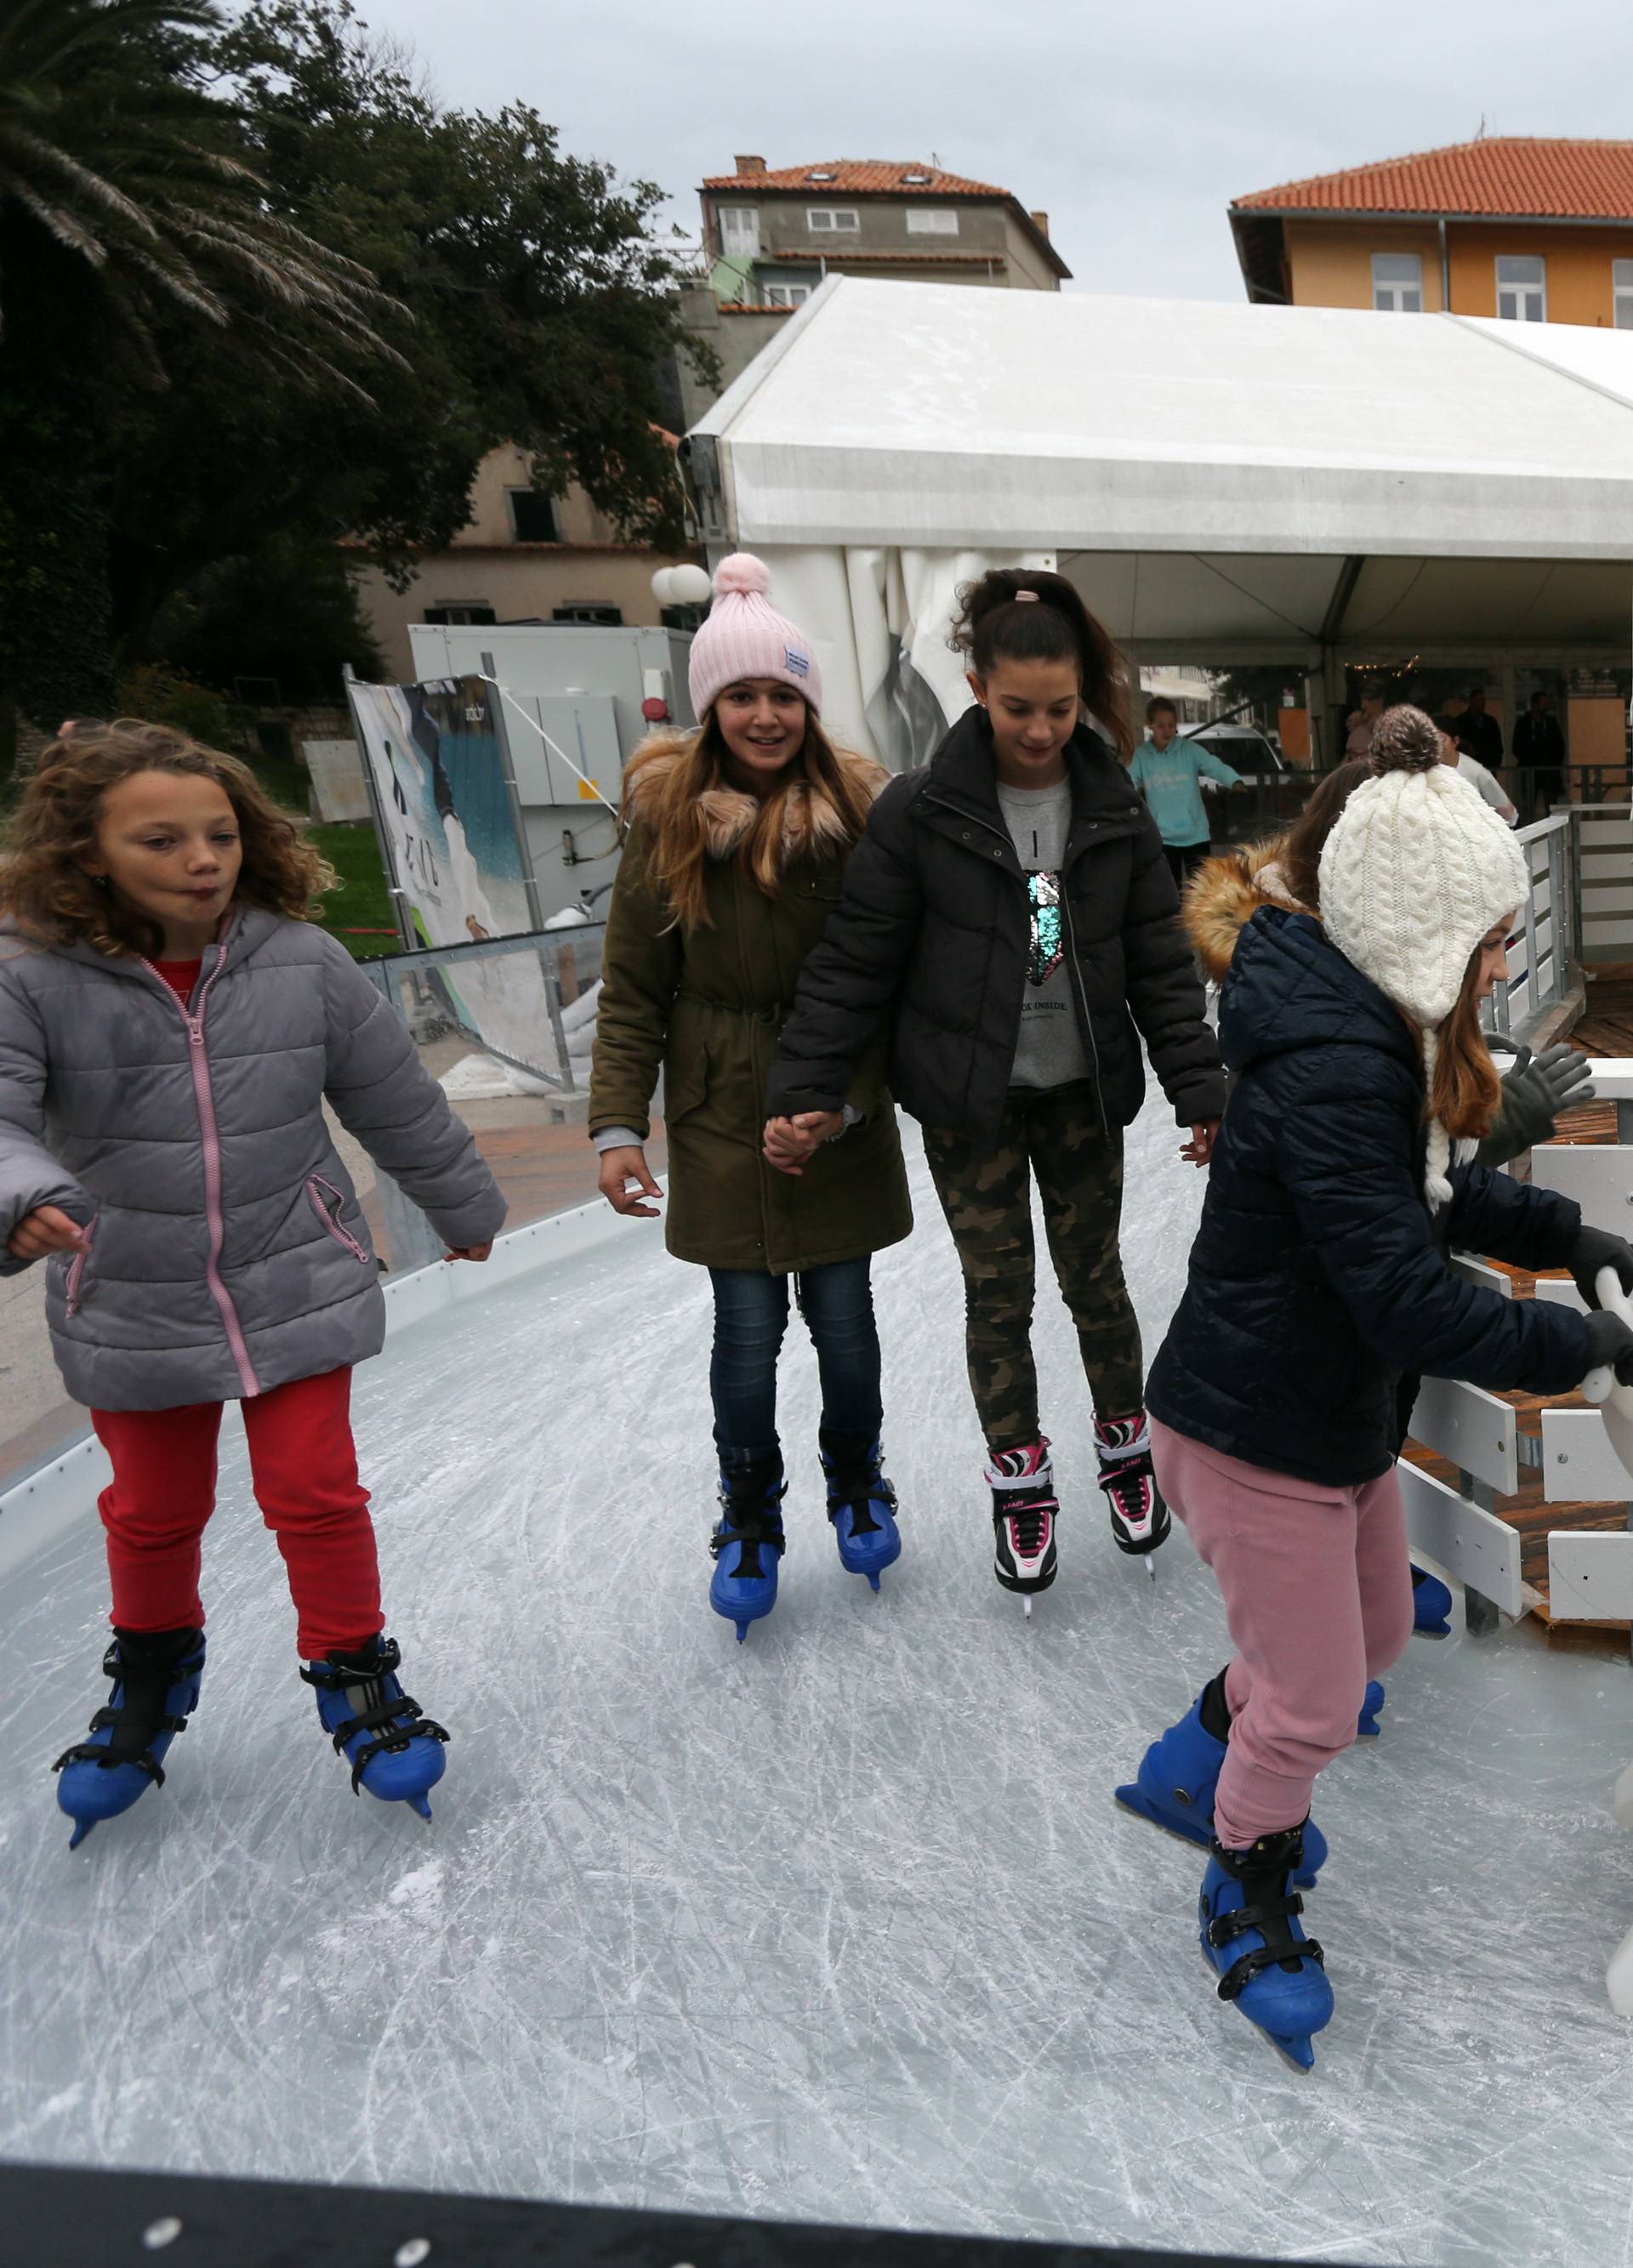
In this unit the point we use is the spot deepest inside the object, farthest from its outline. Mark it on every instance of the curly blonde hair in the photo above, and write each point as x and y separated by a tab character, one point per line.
46	891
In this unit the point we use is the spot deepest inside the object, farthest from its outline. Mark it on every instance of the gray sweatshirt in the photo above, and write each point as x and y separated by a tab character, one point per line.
1051	1050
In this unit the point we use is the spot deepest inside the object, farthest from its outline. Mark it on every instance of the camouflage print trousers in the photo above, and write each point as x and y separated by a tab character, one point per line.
986	1192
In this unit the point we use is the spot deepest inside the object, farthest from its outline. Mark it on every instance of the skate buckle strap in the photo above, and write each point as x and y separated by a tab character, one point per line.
1117	1472
379	1712
752	1530
1242	1973
855	1492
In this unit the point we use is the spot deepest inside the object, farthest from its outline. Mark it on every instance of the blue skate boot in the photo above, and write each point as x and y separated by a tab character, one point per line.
1180	1773
1432	1605
861	1504
1367	1727
1251	1939
748	1542
155	1678
394	1750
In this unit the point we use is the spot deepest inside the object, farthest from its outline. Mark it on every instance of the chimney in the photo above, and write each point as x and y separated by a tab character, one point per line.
1040	222
748	165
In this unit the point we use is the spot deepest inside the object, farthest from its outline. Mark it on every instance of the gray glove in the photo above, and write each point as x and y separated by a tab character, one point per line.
1534	1093
1611	1343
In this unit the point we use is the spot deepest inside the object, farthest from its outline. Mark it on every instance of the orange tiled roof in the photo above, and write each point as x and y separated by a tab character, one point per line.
1506	175
856	177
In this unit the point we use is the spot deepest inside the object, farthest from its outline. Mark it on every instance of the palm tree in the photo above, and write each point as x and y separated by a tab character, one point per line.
109	146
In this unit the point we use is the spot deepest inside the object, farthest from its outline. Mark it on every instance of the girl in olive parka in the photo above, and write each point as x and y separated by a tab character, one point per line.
738	836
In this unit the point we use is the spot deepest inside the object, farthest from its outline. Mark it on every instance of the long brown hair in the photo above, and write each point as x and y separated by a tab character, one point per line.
1299	857
993	624
46	891
673	811
1466	1091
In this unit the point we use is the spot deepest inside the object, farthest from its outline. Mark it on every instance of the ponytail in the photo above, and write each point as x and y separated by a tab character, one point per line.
1051	624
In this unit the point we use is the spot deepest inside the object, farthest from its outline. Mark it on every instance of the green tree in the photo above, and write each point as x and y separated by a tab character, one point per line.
131	222
542	310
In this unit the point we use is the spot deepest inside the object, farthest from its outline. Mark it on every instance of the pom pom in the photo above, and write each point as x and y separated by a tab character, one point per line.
743	574
1406	740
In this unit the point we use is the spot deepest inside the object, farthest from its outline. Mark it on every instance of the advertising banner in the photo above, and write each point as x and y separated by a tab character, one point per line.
451	832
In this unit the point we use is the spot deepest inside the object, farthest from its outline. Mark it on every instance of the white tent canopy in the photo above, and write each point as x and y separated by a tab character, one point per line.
1224	482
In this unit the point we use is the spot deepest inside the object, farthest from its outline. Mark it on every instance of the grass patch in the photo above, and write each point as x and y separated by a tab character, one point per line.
362	903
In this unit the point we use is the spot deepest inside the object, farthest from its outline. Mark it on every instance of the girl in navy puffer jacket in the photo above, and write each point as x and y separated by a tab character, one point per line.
1362	1083
170	1026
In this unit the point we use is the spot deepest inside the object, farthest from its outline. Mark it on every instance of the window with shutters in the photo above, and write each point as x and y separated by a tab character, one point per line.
832	220
932	220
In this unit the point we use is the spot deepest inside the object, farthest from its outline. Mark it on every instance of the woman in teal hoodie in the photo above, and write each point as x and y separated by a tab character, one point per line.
1167	771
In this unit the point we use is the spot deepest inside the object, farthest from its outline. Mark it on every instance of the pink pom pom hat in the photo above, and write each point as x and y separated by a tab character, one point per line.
745	637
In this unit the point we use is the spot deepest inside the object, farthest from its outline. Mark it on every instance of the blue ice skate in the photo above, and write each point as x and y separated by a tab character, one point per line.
861	1505
1432	1605
1251	1939
748	1542
156	1679
1367	1727
1175	1788
394	1750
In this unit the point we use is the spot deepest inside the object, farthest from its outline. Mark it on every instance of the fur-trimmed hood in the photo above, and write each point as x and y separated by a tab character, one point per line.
1222	896
810	820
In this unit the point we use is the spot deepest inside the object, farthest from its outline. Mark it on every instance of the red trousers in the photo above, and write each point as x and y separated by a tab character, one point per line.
305	1469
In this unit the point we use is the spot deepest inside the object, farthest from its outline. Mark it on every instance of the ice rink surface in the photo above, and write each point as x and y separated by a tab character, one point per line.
838	1925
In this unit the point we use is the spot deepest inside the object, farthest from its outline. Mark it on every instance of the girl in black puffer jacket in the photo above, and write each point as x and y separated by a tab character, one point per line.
1009	907
1361	1085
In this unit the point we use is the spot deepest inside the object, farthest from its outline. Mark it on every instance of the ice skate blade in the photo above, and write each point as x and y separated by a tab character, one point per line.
1026	1609
420	1804
1150	1564
742	1632
82	1829
874	1580
1443	1629
1296	2049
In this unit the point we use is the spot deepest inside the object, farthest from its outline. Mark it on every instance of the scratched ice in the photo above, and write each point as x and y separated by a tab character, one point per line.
841	1923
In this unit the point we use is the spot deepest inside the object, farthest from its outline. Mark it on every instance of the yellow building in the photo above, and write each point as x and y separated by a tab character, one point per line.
1531	231
521	557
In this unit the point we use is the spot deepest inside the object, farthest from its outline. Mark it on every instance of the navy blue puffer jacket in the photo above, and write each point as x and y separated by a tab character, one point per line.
1318	1274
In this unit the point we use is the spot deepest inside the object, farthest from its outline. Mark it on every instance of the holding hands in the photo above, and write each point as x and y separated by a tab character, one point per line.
790	1143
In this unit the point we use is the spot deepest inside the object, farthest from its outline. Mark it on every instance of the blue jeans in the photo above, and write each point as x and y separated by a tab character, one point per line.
750	1316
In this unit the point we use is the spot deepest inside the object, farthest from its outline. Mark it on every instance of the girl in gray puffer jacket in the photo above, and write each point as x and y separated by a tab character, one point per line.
170	1026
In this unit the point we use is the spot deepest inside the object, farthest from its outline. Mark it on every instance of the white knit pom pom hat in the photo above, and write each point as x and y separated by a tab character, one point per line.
745	637
1417	870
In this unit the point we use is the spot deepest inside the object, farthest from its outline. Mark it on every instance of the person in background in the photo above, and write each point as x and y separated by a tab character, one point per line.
1168	772
739	830
1479	734
1490	789
1540	752
1364	721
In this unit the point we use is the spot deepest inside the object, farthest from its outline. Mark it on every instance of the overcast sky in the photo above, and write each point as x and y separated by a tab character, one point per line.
1133	125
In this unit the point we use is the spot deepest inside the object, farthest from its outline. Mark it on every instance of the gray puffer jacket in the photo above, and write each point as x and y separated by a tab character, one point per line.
228	1252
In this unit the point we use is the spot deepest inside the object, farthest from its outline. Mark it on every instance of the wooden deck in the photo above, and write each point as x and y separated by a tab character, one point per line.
1606	1028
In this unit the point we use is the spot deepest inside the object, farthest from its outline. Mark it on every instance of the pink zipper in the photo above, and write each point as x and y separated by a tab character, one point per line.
331	1220
204	1095
78	1269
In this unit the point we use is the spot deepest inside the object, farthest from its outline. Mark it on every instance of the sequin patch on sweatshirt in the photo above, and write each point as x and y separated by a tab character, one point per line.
1047	940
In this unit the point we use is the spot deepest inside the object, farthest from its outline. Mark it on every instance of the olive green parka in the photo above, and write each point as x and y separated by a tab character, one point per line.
707	1005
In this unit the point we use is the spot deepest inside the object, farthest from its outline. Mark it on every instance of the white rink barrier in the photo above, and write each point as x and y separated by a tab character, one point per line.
39	1508
1471	1545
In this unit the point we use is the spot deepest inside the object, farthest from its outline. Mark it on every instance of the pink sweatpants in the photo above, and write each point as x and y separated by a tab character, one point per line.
1318	1594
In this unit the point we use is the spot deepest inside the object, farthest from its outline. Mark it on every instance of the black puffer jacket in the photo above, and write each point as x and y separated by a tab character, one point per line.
934	925
1318	1274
